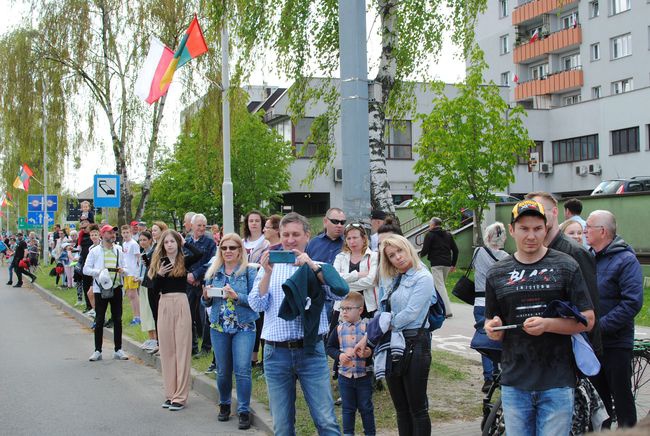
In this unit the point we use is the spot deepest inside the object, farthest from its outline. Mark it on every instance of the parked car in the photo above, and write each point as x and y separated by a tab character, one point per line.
623	186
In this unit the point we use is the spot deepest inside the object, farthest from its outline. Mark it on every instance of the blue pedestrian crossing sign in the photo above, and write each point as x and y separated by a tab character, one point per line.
106	190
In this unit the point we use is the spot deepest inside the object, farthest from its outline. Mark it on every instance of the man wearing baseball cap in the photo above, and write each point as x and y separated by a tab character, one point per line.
538	372
106	256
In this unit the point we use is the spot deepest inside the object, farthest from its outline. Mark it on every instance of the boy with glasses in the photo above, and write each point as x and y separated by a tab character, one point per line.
355	379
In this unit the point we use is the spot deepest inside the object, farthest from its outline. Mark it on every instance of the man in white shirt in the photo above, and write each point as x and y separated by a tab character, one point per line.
131	254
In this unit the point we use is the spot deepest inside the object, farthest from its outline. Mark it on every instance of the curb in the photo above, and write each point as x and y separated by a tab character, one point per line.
205	386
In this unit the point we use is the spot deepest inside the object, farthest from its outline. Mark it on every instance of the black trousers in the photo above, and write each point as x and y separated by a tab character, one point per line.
206	340
154	298
194	297
116	314
259	325
19	274
409	390
614	382
87	283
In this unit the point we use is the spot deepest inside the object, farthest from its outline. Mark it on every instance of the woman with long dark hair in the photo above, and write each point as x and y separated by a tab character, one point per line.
254	241
168	270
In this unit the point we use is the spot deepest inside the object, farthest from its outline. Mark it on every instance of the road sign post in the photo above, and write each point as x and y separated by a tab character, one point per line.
106	190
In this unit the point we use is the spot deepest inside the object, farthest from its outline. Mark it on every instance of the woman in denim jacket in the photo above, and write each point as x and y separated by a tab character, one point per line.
232	325
408	298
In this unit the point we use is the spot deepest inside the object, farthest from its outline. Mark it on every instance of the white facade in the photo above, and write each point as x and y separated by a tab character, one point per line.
605	45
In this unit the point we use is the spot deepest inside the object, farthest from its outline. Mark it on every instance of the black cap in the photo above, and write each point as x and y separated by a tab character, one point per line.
378	215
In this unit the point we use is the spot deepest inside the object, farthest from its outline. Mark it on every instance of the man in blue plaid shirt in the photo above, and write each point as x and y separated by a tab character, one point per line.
285	359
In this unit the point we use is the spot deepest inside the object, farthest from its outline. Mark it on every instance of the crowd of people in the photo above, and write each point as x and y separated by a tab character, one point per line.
300	299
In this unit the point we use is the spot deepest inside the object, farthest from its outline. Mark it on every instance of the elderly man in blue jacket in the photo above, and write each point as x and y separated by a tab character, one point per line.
620	284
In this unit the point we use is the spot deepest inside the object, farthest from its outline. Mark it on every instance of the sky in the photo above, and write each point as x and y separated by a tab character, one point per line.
101	161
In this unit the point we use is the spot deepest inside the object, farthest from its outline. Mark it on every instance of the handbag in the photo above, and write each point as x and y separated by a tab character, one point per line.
464	288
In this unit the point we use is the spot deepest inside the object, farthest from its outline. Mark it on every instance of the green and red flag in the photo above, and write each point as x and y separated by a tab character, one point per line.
192	46
22	181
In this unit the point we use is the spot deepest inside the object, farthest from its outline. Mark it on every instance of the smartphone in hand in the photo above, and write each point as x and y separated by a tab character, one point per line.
282	256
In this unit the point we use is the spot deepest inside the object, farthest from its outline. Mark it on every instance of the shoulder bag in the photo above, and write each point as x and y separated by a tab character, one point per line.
464	287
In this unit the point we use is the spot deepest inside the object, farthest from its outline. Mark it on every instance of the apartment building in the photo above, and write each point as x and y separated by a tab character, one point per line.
582	69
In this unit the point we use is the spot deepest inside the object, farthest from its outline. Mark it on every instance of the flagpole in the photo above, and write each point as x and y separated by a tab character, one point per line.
45	217
227	188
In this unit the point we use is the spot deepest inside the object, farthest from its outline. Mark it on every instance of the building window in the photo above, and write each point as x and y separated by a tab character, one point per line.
539	148
625	140
571	99
539	71
505	78
570	20
621	86
621	46
571	62
596	92
618	6
503	8
575	149
398	141
301	132
504	44
595	51
594	11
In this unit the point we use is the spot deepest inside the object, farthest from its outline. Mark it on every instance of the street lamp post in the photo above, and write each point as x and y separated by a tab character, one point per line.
227	188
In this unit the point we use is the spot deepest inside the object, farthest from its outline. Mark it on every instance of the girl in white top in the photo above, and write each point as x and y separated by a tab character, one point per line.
254	241
357	264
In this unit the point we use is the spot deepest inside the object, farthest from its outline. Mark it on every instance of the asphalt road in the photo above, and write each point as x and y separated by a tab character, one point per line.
49	387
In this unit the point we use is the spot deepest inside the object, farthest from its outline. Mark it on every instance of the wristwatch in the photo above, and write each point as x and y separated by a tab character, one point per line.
317	270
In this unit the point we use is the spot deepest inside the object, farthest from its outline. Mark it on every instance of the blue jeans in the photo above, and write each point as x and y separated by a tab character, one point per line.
488	366
233	351
537	413
356	394
282	367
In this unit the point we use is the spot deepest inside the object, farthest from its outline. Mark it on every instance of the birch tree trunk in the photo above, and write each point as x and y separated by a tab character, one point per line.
118	139
380	195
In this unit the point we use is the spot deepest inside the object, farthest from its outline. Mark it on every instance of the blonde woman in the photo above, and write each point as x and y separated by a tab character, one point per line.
573	229
157	228
408	298
168	271
232	325
357	264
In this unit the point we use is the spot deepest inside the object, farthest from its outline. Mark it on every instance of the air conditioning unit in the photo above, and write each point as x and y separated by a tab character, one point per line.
581	170
338	174
595	169
546	168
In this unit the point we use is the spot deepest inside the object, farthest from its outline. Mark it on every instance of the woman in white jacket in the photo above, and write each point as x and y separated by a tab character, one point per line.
357	264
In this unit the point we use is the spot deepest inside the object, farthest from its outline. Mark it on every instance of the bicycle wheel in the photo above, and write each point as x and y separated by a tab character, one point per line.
495	424
641	382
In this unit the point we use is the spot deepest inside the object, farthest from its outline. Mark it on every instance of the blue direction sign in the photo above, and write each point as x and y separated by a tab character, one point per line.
106	190
35	219
35	203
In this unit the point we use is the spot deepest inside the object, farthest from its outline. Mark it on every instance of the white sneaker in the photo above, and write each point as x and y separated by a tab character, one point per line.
120	355
91	313
146	344
97	355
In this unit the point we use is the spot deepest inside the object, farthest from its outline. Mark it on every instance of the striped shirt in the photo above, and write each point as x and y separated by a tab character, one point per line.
275	328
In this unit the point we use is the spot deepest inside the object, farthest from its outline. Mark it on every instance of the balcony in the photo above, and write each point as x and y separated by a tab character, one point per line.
553	43
552	84
535	8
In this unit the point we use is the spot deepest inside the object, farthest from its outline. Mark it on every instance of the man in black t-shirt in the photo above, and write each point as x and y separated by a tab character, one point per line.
20	253
538	373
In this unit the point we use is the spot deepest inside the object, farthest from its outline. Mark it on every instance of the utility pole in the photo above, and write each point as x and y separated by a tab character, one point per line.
44	241
354	109
226	188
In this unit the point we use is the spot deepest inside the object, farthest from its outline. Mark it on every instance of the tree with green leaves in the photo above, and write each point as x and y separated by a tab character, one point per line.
89	53
468	149
305	36
190	179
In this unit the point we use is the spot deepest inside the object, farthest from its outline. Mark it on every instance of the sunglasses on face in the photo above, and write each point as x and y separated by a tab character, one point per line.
230	247
336	222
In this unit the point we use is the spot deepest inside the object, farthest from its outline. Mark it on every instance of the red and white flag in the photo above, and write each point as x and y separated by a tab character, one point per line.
147	86
535	36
